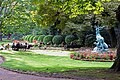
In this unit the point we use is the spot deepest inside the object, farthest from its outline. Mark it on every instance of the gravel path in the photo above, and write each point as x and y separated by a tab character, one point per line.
52	52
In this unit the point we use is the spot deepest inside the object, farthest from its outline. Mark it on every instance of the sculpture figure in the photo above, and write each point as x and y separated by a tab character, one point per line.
101	46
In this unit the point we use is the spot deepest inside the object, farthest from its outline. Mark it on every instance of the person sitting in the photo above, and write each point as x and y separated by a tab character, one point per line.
17	46
7	47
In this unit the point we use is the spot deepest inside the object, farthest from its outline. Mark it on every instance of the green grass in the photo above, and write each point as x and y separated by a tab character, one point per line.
28	61
5	41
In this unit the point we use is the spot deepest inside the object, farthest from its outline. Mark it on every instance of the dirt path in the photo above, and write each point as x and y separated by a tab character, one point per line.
8	75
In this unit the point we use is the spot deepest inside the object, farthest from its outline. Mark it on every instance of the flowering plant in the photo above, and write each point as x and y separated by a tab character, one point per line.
88	55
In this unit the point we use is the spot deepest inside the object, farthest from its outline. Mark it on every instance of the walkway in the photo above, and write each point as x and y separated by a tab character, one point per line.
52	52
8	75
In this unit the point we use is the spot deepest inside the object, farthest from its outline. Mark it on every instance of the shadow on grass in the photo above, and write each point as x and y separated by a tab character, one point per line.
27	61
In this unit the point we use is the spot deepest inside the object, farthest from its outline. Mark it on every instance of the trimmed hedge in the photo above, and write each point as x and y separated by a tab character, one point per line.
31	38
27	38
35	37
40	38
69	39
48	39
57	39
24	37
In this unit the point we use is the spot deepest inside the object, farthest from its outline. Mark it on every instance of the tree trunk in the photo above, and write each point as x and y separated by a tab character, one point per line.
113	37
116	65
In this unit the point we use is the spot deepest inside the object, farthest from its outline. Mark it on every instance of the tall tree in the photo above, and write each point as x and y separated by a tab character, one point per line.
116	65
77	7
15	15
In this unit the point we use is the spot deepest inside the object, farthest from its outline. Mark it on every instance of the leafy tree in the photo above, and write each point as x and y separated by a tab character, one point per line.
77	7
16	16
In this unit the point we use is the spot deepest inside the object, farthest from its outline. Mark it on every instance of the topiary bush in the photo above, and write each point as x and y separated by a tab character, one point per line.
58	39
48	39
40	38
35	37
23	38
69	39
31	38
27	37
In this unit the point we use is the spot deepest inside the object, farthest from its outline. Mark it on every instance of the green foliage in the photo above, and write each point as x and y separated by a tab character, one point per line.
64	35
35	37
17	36
48	39
78	42
40	38
106	36
89	40
24	37
28	37
58	39
69	39
31	38
18	17
44	63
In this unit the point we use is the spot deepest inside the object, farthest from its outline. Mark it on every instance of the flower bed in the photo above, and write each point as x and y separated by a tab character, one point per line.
93	56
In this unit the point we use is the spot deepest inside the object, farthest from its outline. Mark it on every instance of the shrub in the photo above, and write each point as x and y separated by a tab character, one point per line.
24	37
89	40
17	36
35	38
69	39
27	37
64	35
48	39
40	38
31	38
57	39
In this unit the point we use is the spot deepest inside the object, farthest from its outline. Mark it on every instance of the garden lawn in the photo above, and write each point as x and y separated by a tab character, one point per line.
28	61
5	41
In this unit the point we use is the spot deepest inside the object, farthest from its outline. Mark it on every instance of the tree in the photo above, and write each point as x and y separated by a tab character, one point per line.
77	7
116	65
16	16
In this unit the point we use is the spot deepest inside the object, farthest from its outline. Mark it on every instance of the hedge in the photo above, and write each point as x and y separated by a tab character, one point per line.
58	39
31	38
48	39
69	39
40	38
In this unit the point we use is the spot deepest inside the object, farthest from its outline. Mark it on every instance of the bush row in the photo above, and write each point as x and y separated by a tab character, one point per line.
57	39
